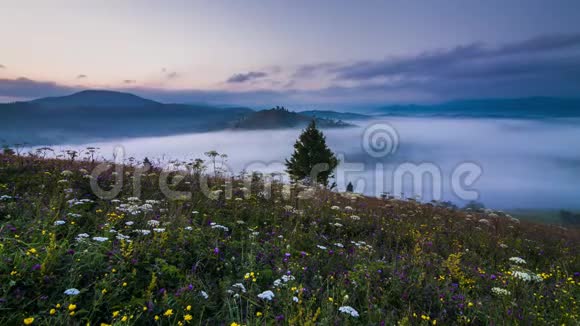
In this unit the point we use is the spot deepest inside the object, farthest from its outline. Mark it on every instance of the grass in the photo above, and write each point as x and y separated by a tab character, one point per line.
327	259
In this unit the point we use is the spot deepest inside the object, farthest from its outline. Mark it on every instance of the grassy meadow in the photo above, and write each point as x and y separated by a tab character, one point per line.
302	256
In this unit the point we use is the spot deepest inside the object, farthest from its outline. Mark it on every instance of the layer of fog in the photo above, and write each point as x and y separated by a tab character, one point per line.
525	163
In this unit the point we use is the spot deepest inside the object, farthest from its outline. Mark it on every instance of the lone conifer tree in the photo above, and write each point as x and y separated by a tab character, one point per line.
311	157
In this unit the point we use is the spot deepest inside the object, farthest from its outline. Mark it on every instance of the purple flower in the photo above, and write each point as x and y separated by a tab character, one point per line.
493	277
36	267
216	250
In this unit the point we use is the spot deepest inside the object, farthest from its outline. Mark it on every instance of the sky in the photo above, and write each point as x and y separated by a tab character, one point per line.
302	53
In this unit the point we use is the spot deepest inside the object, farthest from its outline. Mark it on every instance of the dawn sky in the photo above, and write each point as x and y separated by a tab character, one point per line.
291	52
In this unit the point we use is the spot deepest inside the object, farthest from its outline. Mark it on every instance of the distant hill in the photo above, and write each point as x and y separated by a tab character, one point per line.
335	115
96	98
100	115
523	108
278	118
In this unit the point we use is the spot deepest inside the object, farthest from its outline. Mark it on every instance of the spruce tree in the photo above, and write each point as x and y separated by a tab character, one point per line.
311	155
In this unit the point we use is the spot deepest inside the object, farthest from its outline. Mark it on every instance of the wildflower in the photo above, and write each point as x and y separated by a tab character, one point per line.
526	276
266	295
234	324
517	260
240	286
168	313
349	311
218	226
72	307
100	239
153	223
335	208
59	222
72	291
188	308
159	230
321	247
500	292
52	311
124	319
188	228
259	314
115	314
354	218
28	321
204	294
187	317
295	299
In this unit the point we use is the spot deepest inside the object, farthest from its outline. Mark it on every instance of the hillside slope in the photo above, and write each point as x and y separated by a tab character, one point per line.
304	255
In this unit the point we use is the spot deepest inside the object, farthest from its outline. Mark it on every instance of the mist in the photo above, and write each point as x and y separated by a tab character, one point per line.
524	163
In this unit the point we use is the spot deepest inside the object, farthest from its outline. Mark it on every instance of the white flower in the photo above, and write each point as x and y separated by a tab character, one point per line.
500	291
349	311
135	199
5	197
129	223
526	276
266	295
484	221
217	226
195	212
153	223
340	245
81	237
321	247
240	286
59	222
295	299
348	208
335	208
100	239
517	260
503	245
354	218
159	230
144	232
188	228
72	291
204	294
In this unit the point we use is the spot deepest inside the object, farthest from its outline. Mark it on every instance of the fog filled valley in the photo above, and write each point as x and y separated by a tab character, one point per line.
525	163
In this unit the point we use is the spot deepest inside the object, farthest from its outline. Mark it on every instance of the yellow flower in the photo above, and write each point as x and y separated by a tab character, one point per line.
470	304
104	291
156	317
425	317
434	322
234	324
188	308
187	317
144	308
168	313
124	319
58	305
115	314
72	313
28	320
124	283
52	311
13	273
258	314
72	307
103	324
330	299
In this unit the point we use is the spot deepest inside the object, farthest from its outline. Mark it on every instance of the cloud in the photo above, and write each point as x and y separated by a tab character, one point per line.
242	78
172	75
541	66
26	88
446	61
81	76
129	81
2	67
